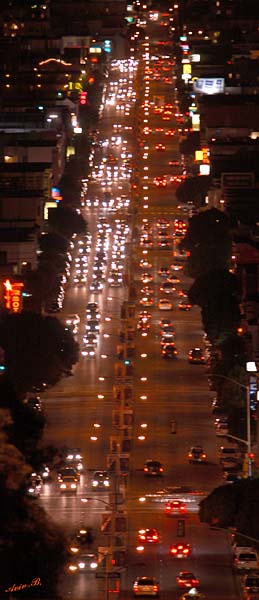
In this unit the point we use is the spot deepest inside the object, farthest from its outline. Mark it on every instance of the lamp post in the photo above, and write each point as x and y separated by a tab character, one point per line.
250	368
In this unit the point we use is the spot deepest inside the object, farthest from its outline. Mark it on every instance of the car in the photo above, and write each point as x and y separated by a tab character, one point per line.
246	560
167	287
196	356
164	243
174	163
165	323
70	471
145	264
34	402
92	308
160	147
44	472
72	319
193	593
88	350
184	304
81	539
186	579
180	550
150	536
92	326
177	507
173	278
33	485
169	351
250	584
167	339
146	278
84	563
146	586
101	480
74	458
228	452
221	425
160	181
147	291
164	272
153	468
146	301
68	484
196	454
176	267
96	286
165	304
90	338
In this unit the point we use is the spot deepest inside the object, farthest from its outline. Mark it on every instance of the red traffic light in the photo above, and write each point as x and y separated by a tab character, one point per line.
83	98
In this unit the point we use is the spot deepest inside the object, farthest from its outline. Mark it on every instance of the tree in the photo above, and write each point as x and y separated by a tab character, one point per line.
37	349
216	293
53	243
195	189
66	221
32	548
234	506
190	144
208	241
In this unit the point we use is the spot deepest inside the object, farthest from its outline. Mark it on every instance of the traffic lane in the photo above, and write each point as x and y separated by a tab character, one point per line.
81	420
210	557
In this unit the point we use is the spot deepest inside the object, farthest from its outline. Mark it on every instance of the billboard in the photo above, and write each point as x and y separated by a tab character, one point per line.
209	85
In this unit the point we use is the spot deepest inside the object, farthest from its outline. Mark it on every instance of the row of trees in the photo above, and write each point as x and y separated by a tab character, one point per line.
37	349
208	243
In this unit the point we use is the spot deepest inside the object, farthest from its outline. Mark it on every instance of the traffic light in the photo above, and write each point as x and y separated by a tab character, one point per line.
83	98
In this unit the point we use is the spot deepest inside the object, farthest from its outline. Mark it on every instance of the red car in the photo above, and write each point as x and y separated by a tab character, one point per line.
150	536
186	579
180	550
175	507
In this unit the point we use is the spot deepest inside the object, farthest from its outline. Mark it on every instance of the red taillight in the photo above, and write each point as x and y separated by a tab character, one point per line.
173	550
190	455
186	551
145	469
182	508
155	588
203	455
155	537
161	469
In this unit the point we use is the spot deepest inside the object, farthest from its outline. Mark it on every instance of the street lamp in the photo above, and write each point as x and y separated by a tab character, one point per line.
250	368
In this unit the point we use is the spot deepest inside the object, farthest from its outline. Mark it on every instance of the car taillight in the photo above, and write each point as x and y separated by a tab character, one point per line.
203	455
145	469
173	550
182	508
190	455
186	551
155	537
155	588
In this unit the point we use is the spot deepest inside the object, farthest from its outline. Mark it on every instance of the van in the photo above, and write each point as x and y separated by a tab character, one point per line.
228	452
246	560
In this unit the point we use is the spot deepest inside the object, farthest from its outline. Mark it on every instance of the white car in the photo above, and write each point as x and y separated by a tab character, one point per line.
246	559
145	586
165	304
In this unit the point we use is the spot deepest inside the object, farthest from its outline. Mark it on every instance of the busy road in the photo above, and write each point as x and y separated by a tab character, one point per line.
134	229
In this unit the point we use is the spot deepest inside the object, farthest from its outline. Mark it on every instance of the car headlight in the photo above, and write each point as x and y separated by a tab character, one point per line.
95	483
73	486
63	486
72	568
106	483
